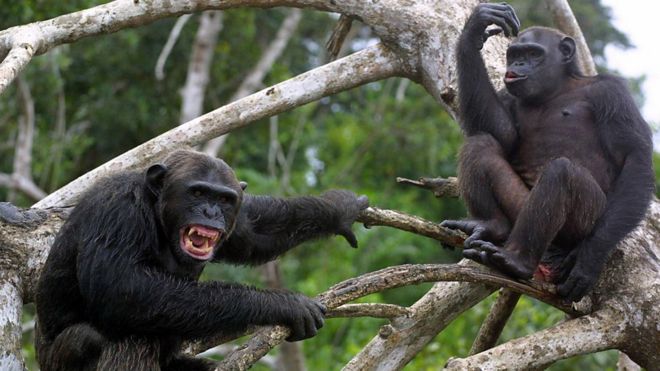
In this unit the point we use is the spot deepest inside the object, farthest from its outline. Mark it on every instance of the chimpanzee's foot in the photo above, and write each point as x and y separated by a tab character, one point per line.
485	230
499	258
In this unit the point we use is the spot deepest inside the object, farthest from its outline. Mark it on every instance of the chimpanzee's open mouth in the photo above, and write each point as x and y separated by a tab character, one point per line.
198	241
510	77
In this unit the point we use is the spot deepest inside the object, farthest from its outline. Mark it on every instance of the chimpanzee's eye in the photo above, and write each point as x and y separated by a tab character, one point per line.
197	193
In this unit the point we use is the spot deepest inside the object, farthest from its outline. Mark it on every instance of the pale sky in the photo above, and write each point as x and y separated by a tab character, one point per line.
638	19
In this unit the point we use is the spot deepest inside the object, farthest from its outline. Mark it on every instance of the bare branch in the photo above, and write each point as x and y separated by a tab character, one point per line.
23	153
375	310
21	178
169	45
338	36
199	66
588	334
440	187
254	78
566	22
492	327
373	216
371	64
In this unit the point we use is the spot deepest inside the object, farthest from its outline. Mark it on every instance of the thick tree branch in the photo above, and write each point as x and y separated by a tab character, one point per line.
371	64
375	310
19	56
592	333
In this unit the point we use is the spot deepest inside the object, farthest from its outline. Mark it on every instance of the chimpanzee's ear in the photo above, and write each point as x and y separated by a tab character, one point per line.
154	178
243	185
567	48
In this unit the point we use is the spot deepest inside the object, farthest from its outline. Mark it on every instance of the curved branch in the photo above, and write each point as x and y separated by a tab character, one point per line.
159	70
371	64
592	333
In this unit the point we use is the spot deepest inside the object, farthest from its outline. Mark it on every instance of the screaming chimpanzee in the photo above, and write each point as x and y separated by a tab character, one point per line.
557	168
123	270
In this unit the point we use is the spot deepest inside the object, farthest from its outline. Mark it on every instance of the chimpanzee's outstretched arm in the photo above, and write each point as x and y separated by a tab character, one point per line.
481	110
267	227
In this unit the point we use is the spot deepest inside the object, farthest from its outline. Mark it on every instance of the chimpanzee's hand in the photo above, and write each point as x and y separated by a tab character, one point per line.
304	316
578	273
349	206
484	15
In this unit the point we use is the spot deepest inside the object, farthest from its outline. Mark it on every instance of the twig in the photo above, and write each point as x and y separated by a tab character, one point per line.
440	187
169	45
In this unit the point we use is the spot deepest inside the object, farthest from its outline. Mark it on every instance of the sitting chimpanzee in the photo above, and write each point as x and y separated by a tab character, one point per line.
123	270
557	168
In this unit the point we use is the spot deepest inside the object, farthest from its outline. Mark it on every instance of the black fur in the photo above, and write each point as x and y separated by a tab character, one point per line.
119	291
556	169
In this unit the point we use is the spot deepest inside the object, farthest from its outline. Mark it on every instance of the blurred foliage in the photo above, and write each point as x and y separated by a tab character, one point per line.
105	91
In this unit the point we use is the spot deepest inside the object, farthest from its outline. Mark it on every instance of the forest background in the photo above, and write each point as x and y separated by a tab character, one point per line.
100	97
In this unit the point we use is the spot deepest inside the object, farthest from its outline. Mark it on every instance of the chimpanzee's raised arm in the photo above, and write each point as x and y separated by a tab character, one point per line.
481	110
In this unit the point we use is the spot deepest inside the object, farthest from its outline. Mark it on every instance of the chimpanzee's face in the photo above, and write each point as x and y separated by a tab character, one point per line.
198	202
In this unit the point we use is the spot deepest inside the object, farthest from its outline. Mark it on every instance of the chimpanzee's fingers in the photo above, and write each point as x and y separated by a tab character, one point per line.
348	234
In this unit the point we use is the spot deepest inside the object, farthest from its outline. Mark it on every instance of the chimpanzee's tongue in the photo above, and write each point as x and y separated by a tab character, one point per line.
197	240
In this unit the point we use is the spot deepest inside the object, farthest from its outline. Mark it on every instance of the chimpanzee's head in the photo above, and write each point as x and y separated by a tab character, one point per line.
197	199
539	60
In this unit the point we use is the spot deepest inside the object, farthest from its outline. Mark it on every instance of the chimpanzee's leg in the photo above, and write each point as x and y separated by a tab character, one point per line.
566	202
494	194
77	348
131	353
